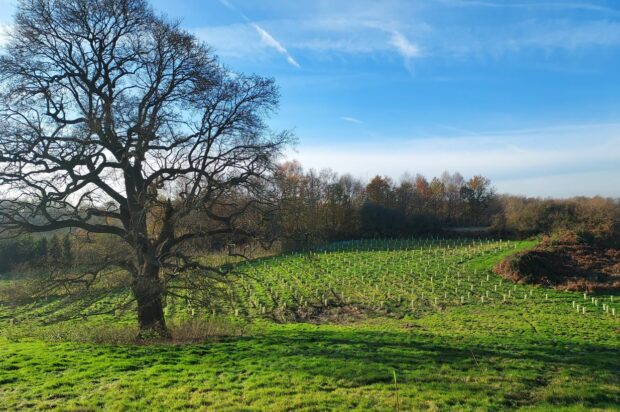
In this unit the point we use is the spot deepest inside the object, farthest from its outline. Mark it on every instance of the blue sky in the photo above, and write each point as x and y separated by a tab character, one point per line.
524	92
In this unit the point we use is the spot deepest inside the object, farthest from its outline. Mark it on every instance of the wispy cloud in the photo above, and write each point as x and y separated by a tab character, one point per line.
403	46
270	41
575	5
265	37
406	49
411	31
5	30
552	35
351	119
510	158
227	4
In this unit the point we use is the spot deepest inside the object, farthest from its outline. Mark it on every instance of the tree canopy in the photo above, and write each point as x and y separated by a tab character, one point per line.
114	120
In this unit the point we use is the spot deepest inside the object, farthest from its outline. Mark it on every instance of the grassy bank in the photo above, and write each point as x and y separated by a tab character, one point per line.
530	351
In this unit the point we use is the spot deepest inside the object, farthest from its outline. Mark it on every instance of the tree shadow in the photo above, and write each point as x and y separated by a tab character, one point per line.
355	358
508	369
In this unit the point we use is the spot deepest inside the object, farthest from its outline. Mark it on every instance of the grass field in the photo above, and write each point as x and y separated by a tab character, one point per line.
420	324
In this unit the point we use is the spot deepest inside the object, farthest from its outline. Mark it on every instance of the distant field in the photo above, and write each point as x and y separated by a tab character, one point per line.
419	324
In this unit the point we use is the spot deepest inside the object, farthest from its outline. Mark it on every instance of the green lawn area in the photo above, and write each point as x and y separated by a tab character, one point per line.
416	347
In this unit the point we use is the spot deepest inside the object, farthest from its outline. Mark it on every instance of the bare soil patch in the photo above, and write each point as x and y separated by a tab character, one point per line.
574	267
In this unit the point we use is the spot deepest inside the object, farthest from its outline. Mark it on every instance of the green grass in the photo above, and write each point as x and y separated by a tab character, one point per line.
532	353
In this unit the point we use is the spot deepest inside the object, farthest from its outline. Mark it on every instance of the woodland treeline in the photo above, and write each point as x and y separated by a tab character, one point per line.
29	251
325	206
310	207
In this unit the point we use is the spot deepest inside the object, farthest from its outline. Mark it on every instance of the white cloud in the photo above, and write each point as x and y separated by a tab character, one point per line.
351	119
549	35
270	41
595	183
227	4
265	37
404	47
5	30
543	157
336	30
320	38
553	5
235	40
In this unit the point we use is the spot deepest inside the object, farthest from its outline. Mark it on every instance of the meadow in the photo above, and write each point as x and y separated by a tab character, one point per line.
410	324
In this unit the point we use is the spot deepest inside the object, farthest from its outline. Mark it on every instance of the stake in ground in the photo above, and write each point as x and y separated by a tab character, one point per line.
428	310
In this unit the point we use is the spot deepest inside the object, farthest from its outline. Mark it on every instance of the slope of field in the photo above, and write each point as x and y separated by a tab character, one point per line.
419	324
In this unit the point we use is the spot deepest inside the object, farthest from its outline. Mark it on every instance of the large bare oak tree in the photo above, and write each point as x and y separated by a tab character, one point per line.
114	120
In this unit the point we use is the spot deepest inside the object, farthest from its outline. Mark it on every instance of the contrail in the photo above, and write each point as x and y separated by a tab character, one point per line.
266	38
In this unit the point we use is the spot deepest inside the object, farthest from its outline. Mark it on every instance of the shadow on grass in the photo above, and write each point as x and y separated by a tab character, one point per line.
508	370
430	363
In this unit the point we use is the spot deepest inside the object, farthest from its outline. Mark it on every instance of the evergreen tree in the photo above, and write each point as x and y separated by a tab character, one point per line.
67	252
42	248
26	251
55	250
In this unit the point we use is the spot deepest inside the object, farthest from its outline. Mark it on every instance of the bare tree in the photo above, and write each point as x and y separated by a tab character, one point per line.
114	120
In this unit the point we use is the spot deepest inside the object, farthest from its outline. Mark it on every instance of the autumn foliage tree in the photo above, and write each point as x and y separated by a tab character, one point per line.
115	121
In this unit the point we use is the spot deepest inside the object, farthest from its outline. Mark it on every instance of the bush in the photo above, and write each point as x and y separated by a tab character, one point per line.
590	220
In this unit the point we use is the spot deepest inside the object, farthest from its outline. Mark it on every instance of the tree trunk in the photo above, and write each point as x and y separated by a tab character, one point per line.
148	291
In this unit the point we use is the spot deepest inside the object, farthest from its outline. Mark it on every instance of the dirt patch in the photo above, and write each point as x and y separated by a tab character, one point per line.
340	314
574	267
337	314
